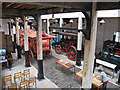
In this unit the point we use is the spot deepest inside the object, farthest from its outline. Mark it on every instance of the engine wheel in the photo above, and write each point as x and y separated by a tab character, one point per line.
58	49
71	53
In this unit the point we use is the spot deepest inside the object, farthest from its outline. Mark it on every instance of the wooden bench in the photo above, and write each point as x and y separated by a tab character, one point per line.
66	65
95	81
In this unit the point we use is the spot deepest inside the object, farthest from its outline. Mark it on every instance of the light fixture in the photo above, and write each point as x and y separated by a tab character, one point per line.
53	17
53	14
102	21
71	20
56	20
44	20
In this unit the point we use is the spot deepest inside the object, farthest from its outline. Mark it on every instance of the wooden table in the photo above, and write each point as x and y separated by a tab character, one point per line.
65	64
95	81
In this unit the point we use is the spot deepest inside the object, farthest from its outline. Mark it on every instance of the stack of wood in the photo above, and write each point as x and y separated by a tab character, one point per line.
6	42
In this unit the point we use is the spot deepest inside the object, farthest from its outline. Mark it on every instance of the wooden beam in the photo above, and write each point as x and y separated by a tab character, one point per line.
89	52
9	5
25	6
33	6
39	49
39	39
17	6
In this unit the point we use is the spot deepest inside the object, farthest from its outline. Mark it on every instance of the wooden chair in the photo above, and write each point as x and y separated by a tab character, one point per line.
17	76
26	73
6	79
32	80
12	87
23	84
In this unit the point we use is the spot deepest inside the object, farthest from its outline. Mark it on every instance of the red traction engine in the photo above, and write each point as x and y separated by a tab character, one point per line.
33	43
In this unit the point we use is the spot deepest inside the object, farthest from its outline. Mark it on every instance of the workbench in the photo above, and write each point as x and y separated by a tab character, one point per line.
65	64
96	82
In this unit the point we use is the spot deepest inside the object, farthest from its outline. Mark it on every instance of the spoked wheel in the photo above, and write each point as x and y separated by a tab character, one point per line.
71	53
58	49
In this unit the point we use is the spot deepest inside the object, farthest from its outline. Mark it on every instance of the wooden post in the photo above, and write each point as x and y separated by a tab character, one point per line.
79	42
39	49
26	44
89	51
18	40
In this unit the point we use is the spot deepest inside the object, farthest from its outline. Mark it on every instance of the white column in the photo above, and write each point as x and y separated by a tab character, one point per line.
11	29
61	21
48	25
17	32
14	30
26	34
39	39
79	41
90	51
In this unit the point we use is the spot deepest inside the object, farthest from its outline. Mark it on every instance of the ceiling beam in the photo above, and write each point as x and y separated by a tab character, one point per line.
9	5
55	4
17	6
24	6
33	6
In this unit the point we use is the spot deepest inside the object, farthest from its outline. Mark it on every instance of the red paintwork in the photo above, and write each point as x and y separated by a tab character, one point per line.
33	42
74	53
117	52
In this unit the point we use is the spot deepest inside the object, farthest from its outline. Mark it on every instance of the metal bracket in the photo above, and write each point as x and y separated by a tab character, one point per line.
88	15
36	19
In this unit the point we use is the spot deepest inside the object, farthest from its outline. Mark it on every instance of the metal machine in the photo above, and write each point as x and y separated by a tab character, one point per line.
67	44
111	50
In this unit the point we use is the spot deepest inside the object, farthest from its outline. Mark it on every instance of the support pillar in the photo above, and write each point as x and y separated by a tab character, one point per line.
26	44
79	42
39	49
11	30
61	25
14	33
11	33
89	52
48	25
18	40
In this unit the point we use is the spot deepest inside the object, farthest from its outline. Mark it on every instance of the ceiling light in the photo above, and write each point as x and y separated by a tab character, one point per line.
102	21
71	20
53	17
44	20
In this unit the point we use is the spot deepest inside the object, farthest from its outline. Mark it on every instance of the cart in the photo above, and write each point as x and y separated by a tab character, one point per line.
33	43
